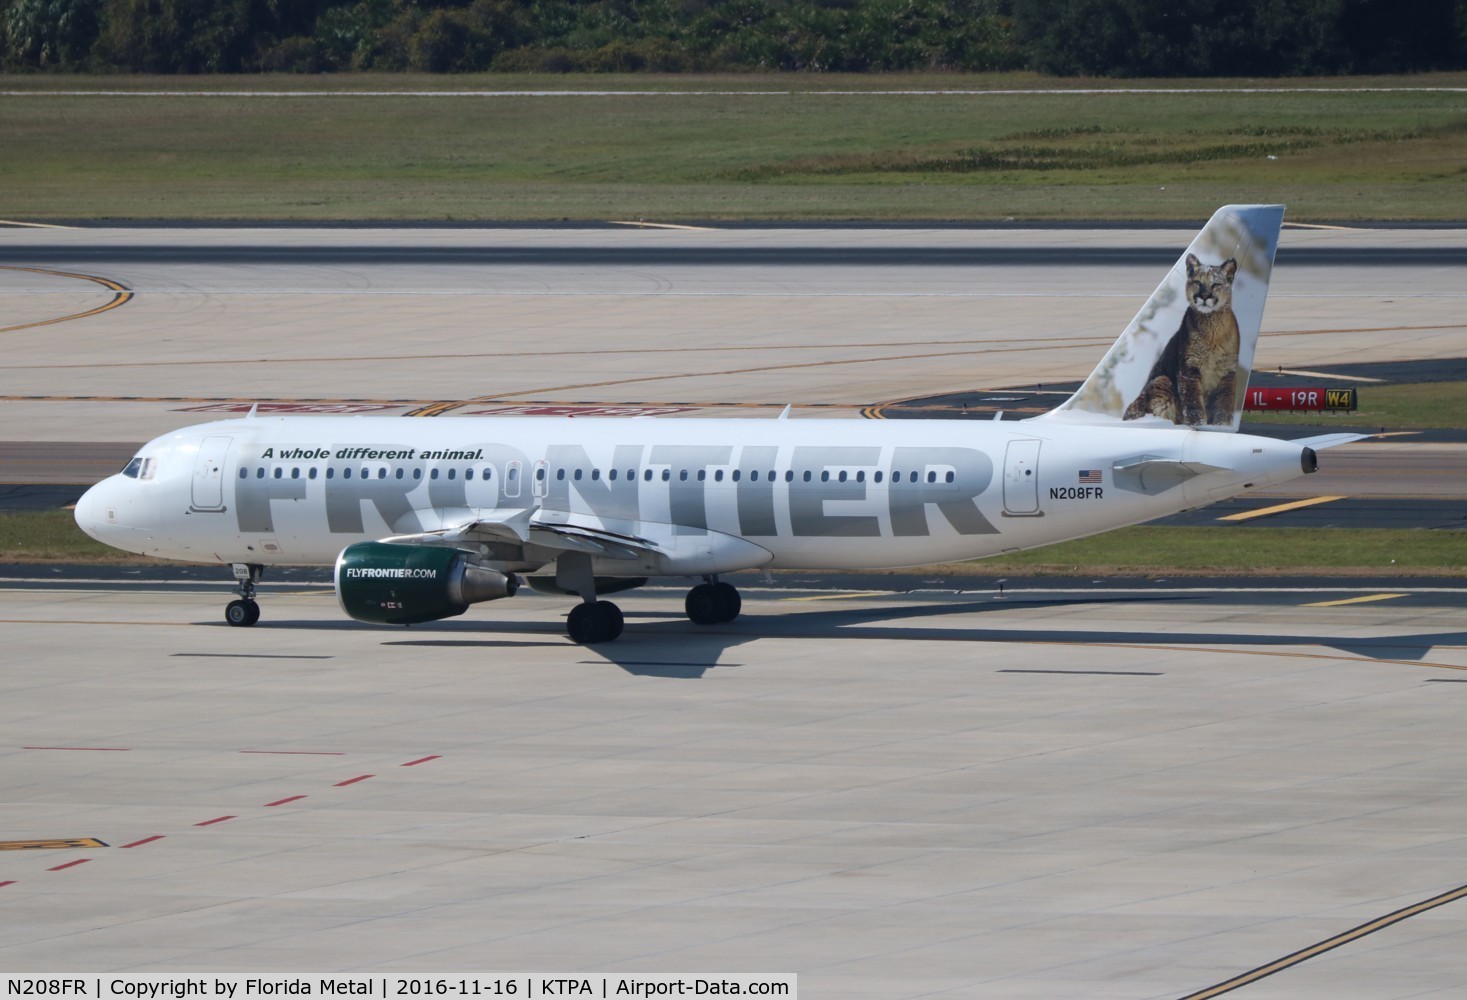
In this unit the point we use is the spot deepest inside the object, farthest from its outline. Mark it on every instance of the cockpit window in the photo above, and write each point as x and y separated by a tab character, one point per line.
141	468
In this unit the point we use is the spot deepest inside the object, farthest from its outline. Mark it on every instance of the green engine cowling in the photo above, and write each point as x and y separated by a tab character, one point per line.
394	584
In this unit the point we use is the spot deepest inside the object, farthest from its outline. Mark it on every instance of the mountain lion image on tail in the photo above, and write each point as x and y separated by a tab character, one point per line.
1194	382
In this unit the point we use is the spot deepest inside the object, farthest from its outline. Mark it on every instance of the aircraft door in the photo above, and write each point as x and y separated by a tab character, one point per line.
208	485
512	473
540	485
1021	479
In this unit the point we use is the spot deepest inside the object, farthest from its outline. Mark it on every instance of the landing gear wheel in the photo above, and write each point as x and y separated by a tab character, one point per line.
702	605
713	603
592	623
730	603
242	613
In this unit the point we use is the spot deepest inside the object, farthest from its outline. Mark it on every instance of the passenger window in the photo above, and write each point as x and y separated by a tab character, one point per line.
514	473
718	476
807	475
559	473
260	472
451	473
754	476
842	476
825	475
877	476
647	475
487	474
330	472
382	472
948	477
399	472
736	475
417	473
666	475
631	473
295	473
346	473
433	474
595	475
702	475
279	472
789	475
578	475
682	475
312	473
612	475
243	472
468	473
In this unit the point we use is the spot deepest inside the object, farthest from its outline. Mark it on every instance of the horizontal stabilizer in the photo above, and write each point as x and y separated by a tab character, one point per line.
1322	441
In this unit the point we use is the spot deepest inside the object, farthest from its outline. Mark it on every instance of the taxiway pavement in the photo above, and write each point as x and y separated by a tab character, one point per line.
892	794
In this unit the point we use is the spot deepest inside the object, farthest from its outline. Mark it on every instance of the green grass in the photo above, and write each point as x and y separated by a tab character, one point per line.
797	155
1407	406
1230	550
53	537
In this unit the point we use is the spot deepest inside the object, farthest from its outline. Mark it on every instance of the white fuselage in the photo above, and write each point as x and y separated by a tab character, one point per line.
715	495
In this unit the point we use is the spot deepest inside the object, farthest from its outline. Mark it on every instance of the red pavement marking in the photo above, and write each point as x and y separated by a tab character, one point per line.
281	802
69	864
216	819
353	781
4	884
116	749
140	843
421	760
302	753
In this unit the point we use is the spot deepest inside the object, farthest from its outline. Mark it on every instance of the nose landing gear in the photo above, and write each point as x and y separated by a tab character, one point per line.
245	612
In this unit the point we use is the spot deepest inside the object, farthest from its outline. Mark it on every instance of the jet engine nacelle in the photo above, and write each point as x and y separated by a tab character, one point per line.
393	584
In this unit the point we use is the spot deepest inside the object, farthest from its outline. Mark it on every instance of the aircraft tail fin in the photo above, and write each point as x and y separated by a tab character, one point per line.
1185	359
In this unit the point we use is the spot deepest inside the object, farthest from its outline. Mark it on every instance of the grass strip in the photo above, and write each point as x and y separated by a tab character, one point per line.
799	153
53	537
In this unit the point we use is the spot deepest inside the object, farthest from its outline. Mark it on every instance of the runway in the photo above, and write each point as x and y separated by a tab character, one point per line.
893	795
892	787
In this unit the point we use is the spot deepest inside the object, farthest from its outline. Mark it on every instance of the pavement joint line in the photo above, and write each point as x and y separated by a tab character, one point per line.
640	224
1366	599
1248	515
1328	944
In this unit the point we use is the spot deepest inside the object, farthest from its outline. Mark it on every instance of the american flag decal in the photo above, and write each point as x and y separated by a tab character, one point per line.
1089	475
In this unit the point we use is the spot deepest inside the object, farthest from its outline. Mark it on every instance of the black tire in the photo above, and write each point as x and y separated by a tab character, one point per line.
730	603
241	613
589	624
612	620
704	605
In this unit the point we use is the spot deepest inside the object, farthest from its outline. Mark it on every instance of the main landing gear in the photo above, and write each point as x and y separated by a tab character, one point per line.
713	602
245	611
594	621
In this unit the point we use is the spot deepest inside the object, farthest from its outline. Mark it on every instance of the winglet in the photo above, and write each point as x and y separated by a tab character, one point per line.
254	411
1185	359
784	414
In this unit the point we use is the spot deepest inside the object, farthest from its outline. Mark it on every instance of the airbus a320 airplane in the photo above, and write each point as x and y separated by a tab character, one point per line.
423	518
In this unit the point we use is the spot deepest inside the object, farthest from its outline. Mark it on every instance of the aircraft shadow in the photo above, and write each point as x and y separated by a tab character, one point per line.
674	648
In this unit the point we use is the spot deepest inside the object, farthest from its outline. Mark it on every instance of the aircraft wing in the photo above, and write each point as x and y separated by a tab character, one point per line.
520	527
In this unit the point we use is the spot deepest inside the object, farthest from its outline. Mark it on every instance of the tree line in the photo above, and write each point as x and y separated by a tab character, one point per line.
1116	38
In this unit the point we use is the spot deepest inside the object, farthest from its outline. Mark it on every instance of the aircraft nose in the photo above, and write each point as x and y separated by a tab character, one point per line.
92	513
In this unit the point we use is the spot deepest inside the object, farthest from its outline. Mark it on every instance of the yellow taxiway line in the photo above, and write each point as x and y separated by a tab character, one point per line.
1368	598
1248	515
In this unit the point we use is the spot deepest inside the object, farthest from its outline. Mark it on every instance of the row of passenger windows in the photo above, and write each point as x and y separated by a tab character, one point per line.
487	474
